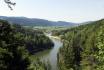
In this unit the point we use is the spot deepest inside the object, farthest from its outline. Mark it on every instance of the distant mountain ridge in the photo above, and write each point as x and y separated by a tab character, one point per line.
35	22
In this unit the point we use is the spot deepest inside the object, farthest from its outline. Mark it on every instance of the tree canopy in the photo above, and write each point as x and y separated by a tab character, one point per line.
83	47
18	44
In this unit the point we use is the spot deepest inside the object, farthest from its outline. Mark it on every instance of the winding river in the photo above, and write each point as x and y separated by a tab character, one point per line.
51	55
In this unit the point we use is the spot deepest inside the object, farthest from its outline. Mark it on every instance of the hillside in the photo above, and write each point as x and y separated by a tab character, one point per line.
83	47
17	46
35	22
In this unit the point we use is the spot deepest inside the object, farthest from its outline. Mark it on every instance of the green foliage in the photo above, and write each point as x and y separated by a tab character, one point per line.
83	47
34	40
11	58
17	44
100	45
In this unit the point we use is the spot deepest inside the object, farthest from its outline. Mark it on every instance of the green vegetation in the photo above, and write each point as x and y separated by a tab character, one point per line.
83	47
18	44
50	28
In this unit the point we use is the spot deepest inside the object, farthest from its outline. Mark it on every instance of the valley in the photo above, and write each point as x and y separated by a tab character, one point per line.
51	55
51	34
52	48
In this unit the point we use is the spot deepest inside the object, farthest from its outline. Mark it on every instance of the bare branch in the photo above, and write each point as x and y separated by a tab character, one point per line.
10	4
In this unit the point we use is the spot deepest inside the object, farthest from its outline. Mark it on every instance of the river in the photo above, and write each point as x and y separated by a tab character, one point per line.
51	55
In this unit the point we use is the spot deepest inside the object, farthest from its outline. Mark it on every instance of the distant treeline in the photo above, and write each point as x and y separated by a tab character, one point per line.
17	44
83	47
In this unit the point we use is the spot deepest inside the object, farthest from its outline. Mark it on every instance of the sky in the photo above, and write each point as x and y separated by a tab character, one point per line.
56	10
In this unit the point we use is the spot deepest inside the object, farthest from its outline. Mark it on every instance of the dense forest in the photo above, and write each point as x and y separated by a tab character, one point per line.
18	44
83	47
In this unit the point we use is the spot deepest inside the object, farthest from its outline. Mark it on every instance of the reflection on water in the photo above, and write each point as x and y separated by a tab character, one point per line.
51	55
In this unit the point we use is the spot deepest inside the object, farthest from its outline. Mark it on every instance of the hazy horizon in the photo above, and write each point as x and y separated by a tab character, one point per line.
57	10
50	20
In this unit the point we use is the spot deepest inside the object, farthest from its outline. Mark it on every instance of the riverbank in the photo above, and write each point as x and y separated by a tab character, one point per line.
50	56
54	37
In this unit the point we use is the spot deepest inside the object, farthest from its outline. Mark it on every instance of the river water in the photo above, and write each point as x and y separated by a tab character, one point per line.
51	55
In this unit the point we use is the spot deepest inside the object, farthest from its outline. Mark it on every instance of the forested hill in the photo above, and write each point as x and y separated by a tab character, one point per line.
35	22
83	47
18	44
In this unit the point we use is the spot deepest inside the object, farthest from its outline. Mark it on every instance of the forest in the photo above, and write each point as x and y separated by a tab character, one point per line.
18	44
52	35
83	47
